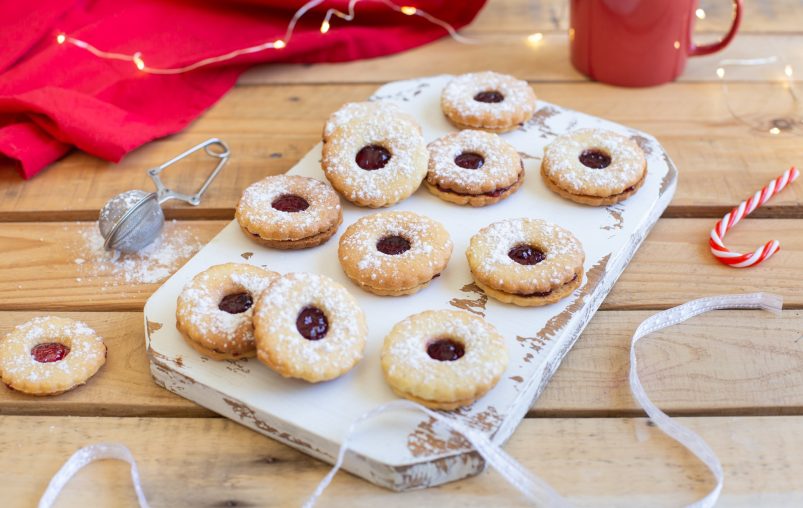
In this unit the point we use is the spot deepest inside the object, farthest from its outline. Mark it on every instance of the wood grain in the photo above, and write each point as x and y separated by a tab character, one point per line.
39	270
270	128
215	463
723	363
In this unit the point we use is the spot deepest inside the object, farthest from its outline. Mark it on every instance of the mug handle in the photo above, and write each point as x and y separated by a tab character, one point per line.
707	49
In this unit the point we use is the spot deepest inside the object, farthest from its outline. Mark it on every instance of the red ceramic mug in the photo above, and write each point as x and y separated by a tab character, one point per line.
637	42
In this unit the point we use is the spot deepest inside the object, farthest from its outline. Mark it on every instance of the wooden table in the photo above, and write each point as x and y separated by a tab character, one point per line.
736	377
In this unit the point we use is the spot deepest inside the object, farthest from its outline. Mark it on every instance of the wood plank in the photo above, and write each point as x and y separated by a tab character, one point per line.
729	362
48	266
214	462
525	15
270	128
546	61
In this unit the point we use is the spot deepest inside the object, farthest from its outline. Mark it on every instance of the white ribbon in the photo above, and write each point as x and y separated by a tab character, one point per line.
679	433
84	456
532	487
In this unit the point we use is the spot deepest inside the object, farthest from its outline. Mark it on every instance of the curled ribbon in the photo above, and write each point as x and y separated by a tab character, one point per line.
532	487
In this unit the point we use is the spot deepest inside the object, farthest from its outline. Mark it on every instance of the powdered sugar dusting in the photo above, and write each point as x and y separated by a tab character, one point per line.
152	264
458	96
359	110
501	166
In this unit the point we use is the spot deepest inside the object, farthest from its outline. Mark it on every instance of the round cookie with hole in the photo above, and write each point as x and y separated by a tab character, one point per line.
443	359
309	327
526	262
394	253
50	355
214	310
473	168
594	167
289	212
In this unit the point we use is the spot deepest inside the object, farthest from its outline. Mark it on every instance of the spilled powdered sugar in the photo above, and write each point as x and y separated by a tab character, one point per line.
174	246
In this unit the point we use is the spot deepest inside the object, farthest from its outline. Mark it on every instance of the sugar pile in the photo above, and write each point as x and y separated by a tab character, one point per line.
152	264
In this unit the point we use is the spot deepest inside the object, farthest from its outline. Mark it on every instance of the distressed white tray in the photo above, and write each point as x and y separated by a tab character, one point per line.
406	450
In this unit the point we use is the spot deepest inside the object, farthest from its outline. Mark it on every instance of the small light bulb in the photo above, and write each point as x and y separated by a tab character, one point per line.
720	72
535	38
677	44
788	71
60	38
775	130
700	14
279	44
409	10
138	61
324	27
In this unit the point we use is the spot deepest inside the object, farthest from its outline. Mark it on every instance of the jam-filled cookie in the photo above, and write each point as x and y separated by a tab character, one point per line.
594	167
394	253
214	310
50	355
443	359
489	101
309	327
527	262
376	161
289	212
474	168
389	111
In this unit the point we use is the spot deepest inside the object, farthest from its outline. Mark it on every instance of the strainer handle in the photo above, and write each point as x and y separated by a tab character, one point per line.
164	193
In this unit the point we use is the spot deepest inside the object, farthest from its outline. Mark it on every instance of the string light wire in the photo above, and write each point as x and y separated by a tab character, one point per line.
139	62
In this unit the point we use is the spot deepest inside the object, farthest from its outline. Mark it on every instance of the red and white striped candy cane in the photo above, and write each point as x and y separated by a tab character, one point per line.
737	259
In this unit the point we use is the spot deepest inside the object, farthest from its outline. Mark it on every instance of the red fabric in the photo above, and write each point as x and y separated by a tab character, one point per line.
54	97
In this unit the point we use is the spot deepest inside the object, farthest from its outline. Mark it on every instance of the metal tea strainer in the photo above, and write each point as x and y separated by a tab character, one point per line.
133	219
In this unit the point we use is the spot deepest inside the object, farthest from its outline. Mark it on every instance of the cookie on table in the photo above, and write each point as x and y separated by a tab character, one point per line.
309	327
527	262
389	111
50	355
289	212
594	167
474	168
375	161
443	359
488	101
214	310
394	253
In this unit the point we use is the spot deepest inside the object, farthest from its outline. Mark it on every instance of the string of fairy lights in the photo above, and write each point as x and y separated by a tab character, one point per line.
138	59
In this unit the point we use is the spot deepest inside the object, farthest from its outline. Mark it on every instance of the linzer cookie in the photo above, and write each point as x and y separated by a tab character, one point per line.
594	167
50	355
394	253
214	310
527	262
384	110
309	327
376	161
289	212
443	359
474	168
488	100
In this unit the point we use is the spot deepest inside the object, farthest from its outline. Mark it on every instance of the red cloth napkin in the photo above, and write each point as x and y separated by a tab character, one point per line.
54	97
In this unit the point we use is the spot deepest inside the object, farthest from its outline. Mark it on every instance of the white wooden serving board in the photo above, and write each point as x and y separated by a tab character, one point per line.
406	450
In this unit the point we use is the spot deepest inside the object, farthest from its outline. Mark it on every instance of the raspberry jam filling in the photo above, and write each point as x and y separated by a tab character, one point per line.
469	160
290	203
526	255
236	303
312	323
494	193
372	157
393	245
445	350
546	293
49	352
595	159
489	96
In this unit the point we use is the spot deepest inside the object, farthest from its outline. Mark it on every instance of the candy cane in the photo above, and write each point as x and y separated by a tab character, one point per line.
737	259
